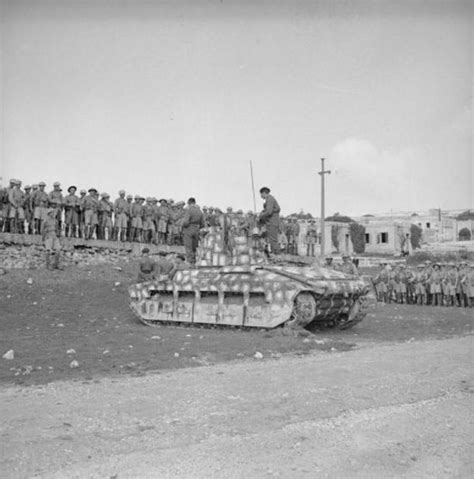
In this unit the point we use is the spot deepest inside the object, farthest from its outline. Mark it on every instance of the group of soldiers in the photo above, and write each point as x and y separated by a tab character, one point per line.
90	215
435	284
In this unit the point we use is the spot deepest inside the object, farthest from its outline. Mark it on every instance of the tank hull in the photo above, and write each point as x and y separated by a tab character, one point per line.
252	296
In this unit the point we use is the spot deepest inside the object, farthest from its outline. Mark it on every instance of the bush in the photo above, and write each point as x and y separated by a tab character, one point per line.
335	236
415	236
357	232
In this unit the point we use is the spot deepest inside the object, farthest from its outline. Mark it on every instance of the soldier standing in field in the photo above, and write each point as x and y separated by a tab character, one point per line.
16	213
106	208
148	221
51	239
28	208
55	200
129	216
270	218
163	219
193	221
136	212
121	217
40	207
71	213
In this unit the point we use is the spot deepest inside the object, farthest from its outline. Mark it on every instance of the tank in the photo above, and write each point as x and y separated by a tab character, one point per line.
235	285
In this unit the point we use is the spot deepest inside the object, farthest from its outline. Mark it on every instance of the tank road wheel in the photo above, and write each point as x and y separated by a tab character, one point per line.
356	314
304	310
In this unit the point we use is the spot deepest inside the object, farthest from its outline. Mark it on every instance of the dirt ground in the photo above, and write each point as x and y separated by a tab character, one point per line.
51	319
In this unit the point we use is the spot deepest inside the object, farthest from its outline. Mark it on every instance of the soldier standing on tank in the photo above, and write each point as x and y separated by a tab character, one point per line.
270	218
310	238
193	221
71	213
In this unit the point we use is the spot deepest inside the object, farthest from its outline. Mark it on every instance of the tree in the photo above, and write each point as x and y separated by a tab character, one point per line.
337	218
335	236
465	235
465	215
415	236
357	232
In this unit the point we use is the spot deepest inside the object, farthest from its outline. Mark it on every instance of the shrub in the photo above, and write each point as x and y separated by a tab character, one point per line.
415	236
335	236
357	232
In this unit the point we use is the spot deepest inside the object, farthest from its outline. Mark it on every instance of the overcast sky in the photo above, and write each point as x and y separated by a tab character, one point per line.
174	98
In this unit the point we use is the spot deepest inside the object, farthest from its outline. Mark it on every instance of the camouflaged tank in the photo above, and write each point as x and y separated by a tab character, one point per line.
234	285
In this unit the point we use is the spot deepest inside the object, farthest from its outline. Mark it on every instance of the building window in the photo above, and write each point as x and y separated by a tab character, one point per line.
367	238
384	237
428	225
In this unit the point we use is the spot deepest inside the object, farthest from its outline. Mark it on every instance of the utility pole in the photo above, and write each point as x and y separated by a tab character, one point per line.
323	172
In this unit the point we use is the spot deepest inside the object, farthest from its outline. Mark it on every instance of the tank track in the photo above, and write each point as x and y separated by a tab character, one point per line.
342	323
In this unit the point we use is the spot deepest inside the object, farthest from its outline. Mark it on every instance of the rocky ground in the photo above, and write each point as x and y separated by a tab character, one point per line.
388	398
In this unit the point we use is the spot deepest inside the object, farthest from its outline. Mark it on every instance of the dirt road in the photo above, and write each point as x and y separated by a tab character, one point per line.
384	410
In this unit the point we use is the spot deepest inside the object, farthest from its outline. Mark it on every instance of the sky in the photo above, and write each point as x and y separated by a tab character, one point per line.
175	99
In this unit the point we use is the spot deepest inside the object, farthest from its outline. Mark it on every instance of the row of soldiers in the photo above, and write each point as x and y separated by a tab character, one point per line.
90	215
435	284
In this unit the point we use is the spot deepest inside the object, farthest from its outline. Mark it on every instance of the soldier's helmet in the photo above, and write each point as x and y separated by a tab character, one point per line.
105	195
205	208
71	188
121	192
240	212
41	183
27	187
136	197
56	183
83	192
129	197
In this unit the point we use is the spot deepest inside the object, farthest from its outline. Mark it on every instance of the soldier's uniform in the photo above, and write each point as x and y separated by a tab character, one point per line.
451	281
82	214
163	219
121	216
71	213
419	281
90	205
106	209
16	213
310	238
51	239
3	209
348	267
435	286
192	222
270	218
136	211
129	216
147	267
28	208
148	221
40	204
56	200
